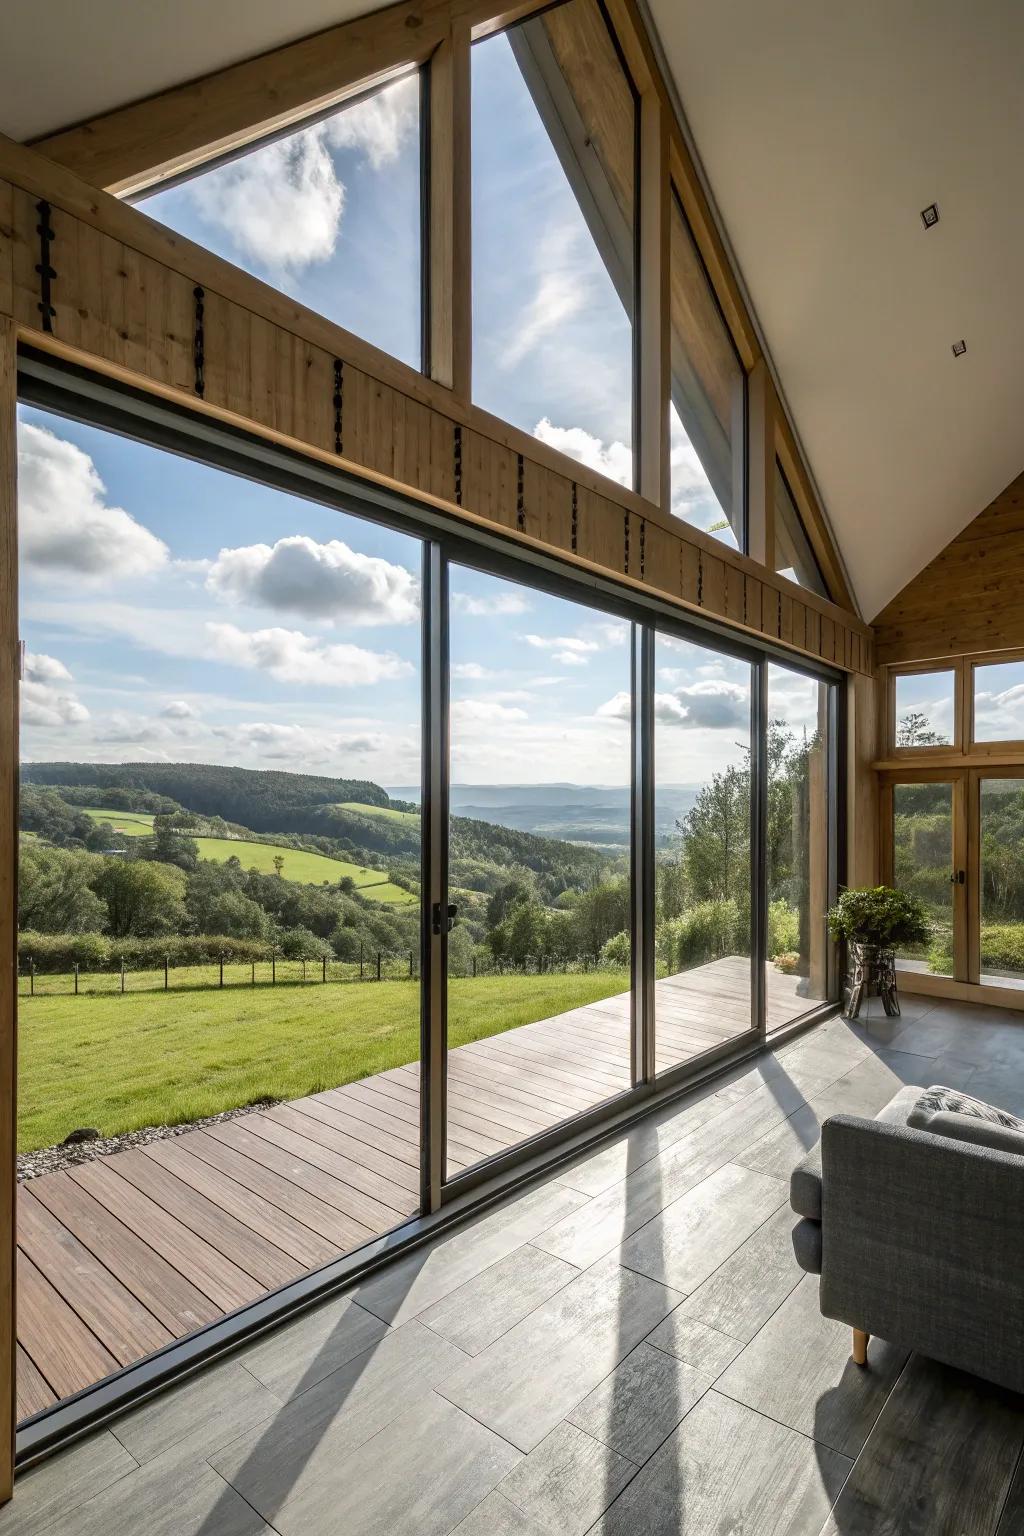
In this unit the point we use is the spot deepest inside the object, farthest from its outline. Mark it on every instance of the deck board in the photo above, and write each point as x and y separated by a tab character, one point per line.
123	1254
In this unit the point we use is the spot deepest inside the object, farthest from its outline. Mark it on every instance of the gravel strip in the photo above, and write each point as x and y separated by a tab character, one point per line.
32	1165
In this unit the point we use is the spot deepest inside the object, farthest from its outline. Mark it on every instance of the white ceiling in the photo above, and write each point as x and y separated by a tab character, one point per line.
824	130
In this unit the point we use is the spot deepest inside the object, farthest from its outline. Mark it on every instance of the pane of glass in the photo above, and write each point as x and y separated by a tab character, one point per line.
553	216
1002	881
797	852
925	707
702	849
794	556
707	403
999	701
220	680
330	214
922	829
538	962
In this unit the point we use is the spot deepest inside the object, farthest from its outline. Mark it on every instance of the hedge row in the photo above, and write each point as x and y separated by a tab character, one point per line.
57	952
1002	949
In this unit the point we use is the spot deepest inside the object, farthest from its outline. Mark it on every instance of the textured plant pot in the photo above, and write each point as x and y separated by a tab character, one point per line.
871	973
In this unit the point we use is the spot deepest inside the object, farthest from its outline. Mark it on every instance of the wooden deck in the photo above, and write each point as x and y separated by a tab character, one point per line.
119	1256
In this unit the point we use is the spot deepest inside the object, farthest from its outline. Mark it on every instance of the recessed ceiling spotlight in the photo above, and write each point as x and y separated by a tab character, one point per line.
959	348
930	215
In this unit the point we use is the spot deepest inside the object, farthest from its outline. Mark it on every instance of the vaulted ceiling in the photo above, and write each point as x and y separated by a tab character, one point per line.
824	131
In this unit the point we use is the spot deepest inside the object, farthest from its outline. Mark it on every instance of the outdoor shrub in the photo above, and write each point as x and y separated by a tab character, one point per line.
302	944
59	952
783	929
1002	949
617	951
706	932
63	951
788	963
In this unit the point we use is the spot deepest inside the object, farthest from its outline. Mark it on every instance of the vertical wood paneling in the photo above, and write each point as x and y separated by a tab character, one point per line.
6	248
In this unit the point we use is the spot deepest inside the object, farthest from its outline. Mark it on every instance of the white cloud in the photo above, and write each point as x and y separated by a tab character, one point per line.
296	742
179	709
320	581
43	700
282	204
498	603
692	495
486	711
618	707
67	528
292	657
567	650
472	671
615	461
561	293
703	706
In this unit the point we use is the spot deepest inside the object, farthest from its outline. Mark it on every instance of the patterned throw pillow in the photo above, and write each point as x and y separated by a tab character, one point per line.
937	1099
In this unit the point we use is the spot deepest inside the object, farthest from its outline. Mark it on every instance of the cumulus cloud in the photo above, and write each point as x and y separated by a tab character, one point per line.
567	650
692	495
43	700
292	657
179	709
320	581
710	705
282	204
615	460
296	742
486	711
495	604
472	671
561	293
67	526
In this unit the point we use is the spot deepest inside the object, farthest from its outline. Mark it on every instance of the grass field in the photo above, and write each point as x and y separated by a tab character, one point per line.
384	812
118	1063
309	868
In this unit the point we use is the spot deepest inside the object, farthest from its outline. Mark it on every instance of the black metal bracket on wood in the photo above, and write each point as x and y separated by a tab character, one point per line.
700	578
520	494
199	340
574	528
44	266
457	448
625	543
338	401
643	547
778	626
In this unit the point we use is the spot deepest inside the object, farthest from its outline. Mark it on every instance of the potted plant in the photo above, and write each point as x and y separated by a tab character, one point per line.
875	921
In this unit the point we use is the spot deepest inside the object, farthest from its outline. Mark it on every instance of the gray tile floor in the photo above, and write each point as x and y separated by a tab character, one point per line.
627	1347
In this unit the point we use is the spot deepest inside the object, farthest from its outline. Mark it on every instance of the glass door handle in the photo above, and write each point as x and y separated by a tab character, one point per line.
443	917
958	877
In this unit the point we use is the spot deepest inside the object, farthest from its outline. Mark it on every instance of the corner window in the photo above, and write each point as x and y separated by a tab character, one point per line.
999	701
924	709
554	142
708	399
329	214
794	557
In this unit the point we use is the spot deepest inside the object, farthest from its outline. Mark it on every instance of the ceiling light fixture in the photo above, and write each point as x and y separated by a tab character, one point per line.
930	215
959	348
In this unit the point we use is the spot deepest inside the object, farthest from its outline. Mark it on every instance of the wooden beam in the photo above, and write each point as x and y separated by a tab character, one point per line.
761	466
8	889
450	320
864	696
654	349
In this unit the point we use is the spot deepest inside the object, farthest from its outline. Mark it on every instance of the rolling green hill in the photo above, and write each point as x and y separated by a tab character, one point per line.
130	823
385	812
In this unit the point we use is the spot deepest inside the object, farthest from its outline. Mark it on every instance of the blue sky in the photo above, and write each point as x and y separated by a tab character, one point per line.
172	611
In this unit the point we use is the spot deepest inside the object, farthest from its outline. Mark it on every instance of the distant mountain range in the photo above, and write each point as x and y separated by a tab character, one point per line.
594	814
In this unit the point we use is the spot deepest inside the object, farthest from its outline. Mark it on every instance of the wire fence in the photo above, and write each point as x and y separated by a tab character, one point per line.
229	972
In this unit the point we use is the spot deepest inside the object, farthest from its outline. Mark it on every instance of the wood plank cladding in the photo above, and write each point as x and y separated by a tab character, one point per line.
966	599
125	301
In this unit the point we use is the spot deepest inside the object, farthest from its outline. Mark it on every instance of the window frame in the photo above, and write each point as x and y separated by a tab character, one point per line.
928	752
994	746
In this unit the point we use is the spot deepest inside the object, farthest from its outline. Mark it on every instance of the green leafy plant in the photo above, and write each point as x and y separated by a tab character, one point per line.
879	915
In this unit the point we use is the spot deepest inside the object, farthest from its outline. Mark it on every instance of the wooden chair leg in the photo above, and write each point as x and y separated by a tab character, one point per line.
860	1347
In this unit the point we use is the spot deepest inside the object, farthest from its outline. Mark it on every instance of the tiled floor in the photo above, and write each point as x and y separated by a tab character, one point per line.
627	1347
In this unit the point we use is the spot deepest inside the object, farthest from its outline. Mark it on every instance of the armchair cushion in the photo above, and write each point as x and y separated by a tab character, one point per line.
944	1112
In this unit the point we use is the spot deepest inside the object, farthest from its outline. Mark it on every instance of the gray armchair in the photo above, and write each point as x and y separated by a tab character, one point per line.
918	1236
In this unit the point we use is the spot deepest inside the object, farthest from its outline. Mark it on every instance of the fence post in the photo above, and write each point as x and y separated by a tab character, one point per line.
167	967
273	966
360	959
222	970
253	972
76	978
474	965
324	959
378	965
122	973
411	972
303	970
32	977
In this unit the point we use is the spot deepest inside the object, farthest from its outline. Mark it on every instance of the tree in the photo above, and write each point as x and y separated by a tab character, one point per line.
54	894
279	864
914	730
511	894
172	846
143	898
716	837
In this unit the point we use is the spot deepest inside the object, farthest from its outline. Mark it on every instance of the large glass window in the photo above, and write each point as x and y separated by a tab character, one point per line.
539	959
708	394
554	134
923	865
218	897
999	701
797	853
1002	881
925	708
794	556
702	794
329	213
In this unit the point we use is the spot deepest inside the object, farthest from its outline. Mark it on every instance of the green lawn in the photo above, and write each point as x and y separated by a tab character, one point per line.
388	812
308	868
118	1063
